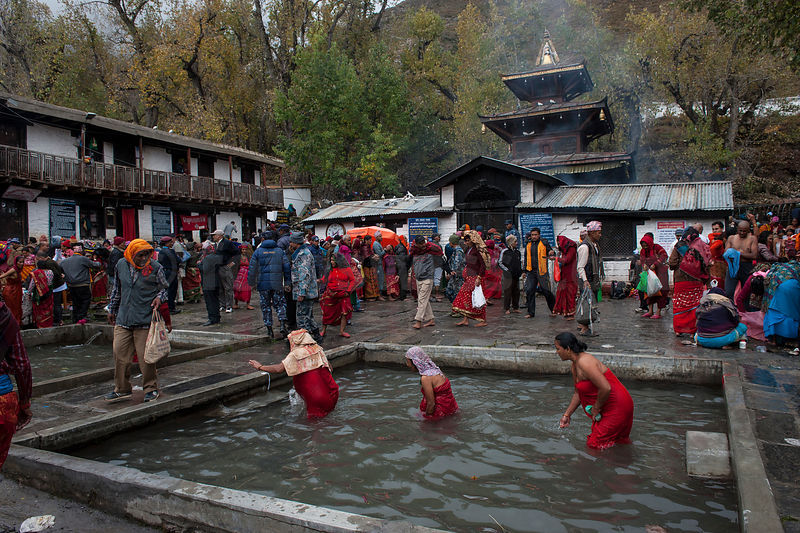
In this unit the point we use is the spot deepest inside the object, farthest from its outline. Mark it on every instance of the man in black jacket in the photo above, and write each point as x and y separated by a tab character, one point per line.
511	265
169	260
227	271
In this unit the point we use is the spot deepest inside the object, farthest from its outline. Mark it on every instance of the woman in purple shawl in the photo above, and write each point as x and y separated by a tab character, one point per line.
437	396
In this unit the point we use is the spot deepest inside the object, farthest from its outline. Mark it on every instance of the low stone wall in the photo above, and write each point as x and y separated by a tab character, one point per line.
178	505
638	367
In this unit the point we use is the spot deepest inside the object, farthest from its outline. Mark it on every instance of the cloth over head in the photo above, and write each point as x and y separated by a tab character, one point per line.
305	354
422	361
118	240
476	238
136	246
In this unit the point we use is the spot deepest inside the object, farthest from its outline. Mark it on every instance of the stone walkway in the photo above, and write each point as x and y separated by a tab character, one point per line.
771	380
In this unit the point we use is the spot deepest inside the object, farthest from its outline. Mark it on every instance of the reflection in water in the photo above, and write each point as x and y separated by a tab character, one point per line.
502	457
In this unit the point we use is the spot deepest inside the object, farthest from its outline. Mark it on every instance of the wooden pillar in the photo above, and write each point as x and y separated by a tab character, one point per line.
141	165
83	152
230	174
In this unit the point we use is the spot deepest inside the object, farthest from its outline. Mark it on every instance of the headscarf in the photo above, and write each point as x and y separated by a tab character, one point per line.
341	261
564	243
136	246
653	249
454	239
305	354
425	366
480	246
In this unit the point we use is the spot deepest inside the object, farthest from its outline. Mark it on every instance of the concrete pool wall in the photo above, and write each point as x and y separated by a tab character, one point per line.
203	505
196	345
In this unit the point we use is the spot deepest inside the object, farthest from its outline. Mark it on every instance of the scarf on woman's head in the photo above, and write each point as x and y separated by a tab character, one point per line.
564	243
136	246
652	247
425	366
480	246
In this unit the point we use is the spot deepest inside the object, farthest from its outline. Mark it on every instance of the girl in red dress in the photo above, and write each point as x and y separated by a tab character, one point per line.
437	396
335	301
310	371
599	393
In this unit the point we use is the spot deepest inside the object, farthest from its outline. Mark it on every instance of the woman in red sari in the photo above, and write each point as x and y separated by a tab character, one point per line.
599	393
335	301
311	373
437	395
241	289
492	286
477	261
99	282
689	262
41	287
11	281
654	257
568	285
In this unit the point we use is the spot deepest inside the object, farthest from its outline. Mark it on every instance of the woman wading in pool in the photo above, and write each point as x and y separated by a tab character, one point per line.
437	396
598	391
310	371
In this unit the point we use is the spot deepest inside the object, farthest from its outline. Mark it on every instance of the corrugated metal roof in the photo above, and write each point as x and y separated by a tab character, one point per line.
663	197
374	208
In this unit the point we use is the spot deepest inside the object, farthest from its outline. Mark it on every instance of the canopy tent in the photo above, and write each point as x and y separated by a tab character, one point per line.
389	237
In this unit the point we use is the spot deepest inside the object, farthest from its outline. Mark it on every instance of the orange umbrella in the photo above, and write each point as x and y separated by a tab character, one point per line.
389	237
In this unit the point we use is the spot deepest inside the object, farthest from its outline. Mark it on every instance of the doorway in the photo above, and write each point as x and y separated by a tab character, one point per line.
14	220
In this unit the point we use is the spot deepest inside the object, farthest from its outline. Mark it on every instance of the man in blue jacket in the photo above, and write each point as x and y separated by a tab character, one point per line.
270	273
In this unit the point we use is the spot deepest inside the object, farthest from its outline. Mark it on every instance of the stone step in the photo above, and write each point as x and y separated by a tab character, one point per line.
707	454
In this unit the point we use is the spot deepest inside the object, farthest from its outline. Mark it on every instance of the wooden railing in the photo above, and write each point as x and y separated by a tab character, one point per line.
54	170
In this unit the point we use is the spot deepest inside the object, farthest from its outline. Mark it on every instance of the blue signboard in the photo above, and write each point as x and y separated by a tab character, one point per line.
422	226
543	221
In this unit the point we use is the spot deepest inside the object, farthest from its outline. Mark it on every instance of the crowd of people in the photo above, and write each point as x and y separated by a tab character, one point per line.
739	281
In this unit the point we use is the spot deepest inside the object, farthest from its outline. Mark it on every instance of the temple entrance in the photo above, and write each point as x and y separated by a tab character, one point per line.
486	205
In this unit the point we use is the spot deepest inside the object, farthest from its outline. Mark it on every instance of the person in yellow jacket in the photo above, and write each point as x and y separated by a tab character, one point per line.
534	271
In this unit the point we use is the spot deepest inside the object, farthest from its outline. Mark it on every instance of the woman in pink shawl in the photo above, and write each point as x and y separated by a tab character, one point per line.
437	395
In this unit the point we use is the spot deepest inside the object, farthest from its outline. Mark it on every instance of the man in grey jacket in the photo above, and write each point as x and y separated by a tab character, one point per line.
422	254
77	273
139	289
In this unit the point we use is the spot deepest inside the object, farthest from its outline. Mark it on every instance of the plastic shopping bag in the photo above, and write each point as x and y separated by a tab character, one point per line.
478	299
157	345
642	286
653	283
585	312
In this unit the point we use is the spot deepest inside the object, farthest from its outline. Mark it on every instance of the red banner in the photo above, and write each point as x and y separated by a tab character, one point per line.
194	222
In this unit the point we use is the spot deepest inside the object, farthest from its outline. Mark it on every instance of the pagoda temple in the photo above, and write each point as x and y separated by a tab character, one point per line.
552	133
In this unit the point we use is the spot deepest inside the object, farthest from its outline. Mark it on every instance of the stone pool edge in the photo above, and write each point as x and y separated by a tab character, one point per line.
50	386
757	509
162	501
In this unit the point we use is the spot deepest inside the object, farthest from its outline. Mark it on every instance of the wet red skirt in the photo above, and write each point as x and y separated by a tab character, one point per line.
615	425
318	390
445	401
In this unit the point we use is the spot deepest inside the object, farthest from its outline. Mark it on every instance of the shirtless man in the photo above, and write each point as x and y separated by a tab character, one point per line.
747	245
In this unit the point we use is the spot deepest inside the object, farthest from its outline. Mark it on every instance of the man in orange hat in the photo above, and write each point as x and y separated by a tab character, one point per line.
139	289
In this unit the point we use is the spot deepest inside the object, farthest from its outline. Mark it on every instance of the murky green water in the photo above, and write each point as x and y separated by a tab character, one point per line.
502	458
49	361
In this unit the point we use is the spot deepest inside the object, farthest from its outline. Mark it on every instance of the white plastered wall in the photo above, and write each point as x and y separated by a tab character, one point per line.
448	196
145	215
39	217
224	218
52	140
299	197
222	171
156	158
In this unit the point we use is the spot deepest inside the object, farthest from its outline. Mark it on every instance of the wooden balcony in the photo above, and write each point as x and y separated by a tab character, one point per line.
47	171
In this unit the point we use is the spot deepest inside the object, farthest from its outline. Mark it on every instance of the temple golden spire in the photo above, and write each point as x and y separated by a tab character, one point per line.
547	52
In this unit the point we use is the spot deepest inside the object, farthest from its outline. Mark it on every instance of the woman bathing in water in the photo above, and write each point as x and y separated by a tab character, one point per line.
437	396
